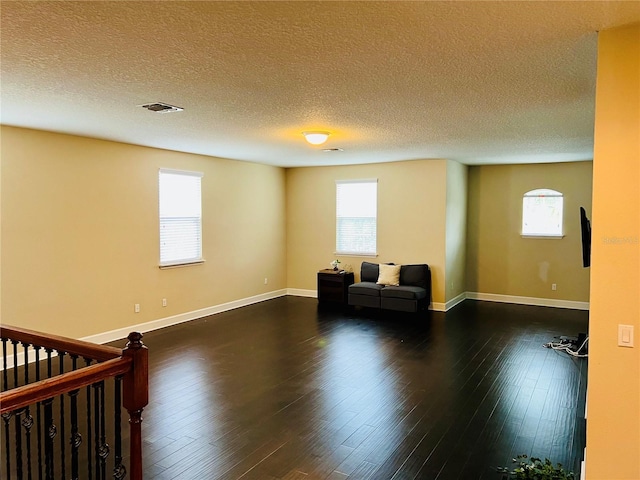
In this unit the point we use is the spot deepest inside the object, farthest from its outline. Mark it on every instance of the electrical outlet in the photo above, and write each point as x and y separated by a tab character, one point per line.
136	308
164	302
266	280
554	287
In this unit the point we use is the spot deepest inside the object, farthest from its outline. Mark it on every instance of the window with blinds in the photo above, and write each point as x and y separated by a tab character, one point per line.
180	200
356	217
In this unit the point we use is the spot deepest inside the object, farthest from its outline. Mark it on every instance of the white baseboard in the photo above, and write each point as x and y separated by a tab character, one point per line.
489	297
298	292
455	301
119	333
541	302
438	307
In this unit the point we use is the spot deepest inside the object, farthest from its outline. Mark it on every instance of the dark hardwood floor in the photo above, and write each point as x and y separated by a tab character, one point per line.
286	389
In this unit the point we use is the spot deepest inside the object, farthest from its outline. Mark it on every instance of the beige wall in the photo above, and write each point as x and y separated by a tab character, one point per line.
613	422
456	236
499	260
411	218
80	233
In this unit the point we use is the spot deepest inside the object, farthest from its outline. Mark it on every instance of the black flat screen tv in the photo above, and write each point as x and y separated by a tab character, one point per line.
585	227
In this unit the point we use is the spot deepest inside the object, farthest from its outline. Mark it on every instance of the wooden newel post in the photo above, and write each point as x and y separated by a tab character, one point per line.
135	396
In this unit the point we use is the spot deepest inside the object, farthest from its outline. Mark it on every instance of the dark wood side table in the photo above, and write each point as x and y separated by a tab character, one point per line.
333	286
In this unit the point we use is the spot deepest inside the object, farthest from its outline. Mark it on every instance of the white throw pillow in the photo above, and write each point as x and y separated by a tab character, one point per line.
389	275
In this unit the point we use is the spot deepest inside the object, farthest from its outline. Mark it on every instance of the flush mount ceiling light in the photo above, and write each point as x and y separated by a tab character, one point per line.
316	138
160	107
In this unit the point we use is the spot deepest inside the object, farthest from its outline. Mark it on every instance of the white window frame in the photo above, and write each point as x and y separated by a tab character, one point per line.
180	205
356	210
540	211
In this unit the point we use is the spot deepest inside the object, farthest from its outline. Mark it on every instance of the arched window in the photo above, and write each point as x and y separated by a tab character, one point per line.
542	213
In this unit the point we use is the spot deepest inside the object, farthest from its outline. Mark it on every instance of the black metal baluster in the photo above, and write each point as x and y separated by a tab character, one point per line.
5	369
7	437
27	421
89	452
96	417
76	438
119	471
6	416
104	446
15	363
50	427
50	433
18	436
63	469
38	415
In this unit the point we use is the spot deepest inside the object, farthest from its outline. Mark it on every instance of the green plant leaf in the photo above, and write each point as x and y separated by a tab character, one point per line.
535	469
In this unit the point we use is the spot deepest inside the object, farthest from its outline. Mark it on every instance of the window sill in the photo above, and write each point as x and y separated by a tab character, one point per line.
164	266
355	254
544	237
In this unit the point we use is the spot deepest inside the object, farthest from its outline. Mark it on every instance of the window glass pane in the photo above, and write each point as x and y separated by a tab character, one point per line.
180	217
542	213
356	217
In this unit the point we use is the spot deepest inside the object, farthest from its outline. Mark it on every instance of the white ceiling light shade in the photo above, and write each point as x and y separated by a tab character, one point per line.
316	138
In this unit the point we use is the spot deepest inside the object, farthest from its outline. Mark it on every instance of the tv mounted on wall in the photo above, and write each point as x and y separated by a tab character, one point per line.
585	227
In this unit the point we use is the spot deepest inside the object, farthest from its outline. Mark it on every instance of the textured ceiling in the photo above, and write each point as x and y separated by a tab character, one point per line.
477	82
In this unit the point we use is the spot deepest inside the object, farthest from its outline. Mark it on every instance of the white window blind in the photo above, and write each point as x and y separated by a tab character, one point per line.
356	216
542	213
180	217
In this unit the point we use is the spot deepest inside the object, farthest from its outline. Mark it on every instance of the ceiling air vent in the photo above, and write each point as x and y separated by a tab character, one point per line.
159	107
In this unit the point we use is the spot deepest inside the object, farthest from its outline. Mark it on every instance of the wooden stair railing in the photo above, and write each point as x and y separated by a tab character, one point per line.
25	391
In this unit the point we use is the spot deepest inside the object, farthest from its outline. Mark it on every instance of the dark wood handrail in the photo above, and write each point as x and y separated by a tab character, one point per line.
60	384
62	344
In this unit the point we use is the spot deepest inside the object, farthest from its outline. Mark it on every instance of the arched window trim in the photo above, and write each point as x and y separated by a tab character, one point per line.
543	192
535	209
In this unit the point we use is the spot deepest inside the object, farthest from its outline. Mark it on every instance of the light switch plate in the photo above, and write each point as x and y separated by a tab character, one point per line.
625	335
